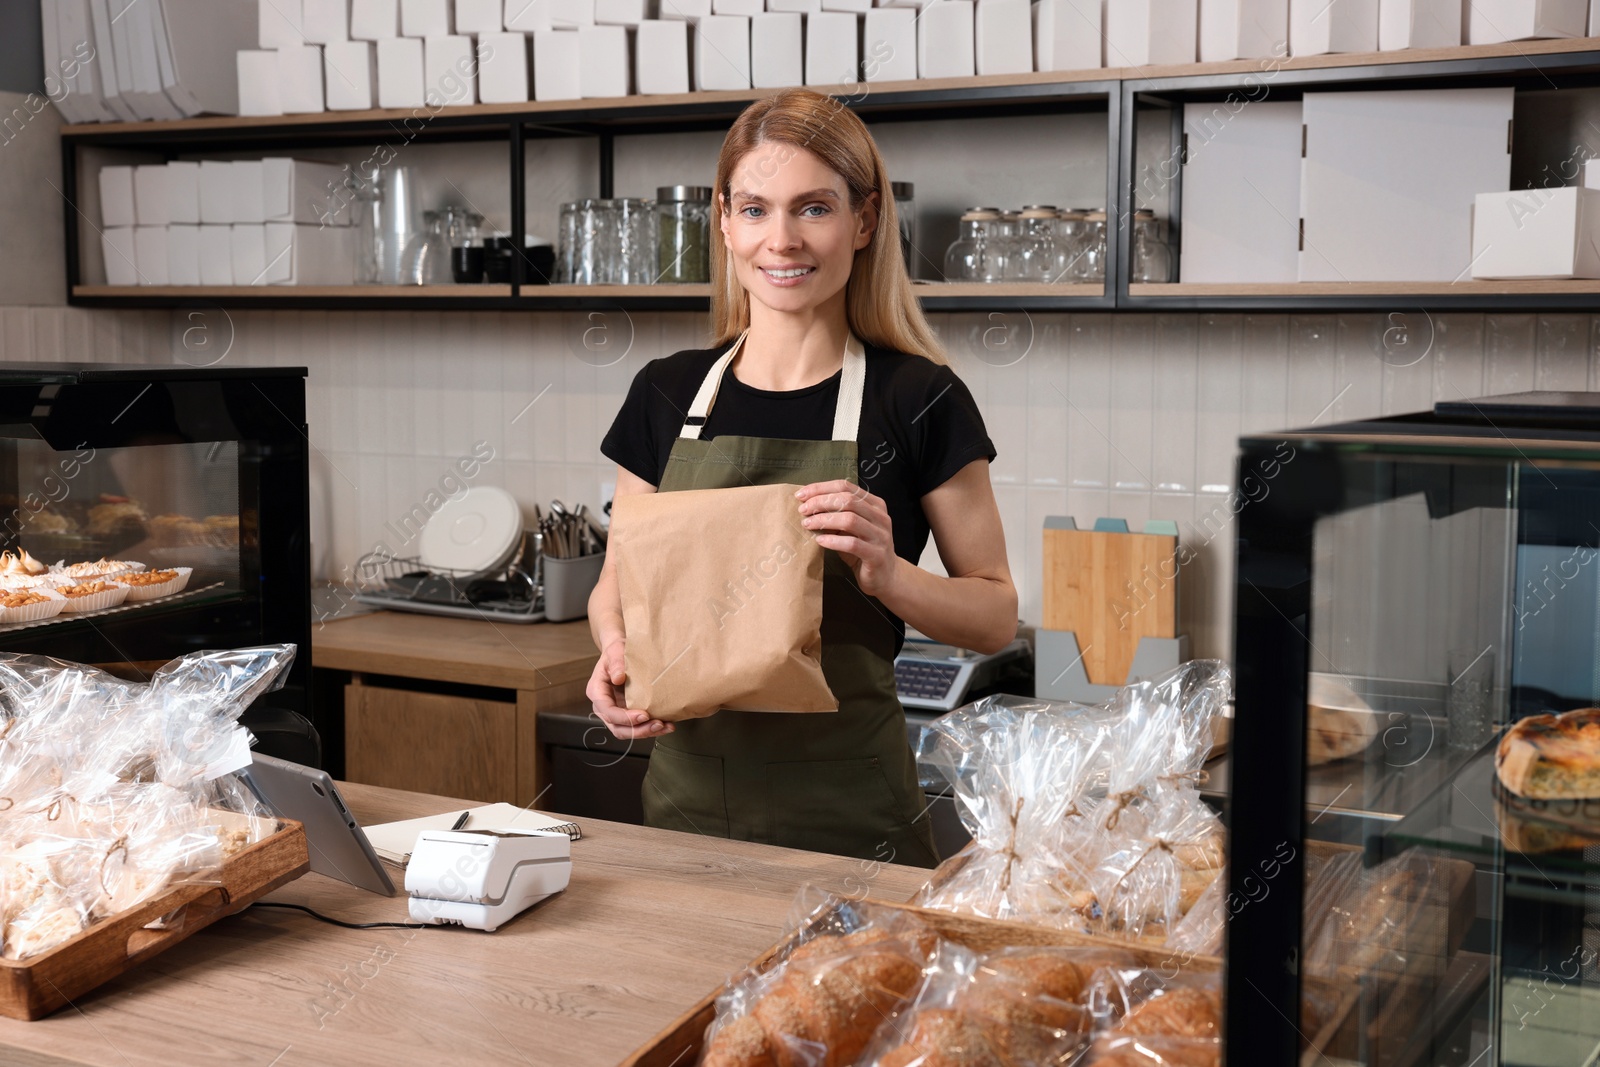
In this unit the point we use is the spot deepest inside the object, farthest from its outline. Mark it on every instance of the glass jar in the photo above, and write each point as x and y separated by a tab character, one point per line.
464	231
427	256
683	234
1034	250
583	223
1069	245
1152	257
631	242
963	260
1000	252
905	209
1092	263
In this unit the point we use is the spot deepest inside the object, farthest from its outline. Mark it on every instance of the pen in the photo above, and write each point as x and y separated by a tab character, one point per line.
462	821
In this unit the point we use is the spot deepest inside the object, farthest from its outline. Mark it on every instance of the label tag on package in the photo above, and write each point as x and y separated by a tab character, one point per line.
235	756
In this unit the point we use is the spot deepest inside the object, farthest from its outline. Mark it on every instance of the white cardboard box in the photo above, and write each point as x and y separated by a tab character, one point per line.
116	197
689	10
183	255
150	199
1537	233
555	65
116	247
278	22
425	18
721	51
1591	174
661	56
1142	32
804	7
1245	29
1496	21
832	54
351	73
889	44
1418	24
216	255
1321	27
326	21
216	192
621	12
249	203
1066	35
249	253
183	192
259	93
1002	38
570	14
944	40
449	70
526	16
300	79
858	7
297	254
150	254
1389	178
738	7
299	190
602	61
503	68
1241	193
480	16
776	50
400	81
374	20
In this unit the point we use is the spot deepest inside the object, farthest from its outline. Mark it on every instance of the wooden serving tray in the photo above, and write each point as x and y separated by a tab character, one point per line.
33	988
680	1044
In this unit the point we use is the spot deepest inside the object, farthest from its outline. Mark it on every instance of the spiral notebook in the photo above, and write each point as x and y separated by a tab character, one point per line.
393	841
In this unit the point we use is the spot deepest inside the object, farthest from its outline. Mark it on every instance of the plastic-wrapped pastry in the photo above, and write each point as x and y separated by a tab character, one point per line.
819	1007
1158	1052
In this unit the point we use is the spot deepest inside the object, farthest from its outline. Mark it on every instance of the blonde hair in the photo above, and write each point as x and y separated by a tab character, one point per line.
880	307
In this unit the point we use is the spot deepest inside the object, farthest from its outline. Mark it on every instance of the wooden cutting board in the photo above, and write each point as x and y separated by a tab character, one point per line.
1110	589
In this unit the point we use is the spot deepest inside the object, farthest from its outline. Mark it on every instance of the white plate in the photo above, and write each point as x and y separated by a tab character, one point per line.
475	532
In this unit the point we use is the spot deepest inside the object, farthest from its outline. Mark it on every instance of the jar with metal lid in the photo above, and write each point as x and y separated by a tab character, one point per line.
905	209
683	233
1069	245
1001	250
1152	257
1034	247
963	260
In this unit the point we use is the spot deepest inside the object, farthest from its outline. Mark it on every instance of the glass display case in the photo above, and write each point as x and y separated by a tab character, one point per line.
1407	590
200	472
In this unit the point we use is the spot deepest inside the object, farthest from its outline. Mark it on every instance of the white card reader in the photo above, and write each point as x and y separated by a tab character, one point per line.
483	878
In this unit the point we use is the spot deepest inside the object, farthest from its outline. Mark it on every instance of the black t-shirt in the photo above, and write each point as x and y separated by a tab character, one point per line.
919	425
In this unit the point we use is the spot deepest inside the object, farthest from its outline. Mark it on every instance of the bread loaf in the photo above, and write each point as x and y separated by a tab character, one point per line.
1552	757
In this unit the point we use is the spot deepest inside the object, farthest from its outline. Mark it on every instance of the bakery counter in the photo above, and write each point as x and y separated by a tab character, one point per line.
444	706
651	922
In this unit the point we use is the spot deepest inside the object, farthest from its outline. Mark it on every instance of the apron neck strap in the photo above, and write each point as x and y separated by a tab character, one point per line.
846	415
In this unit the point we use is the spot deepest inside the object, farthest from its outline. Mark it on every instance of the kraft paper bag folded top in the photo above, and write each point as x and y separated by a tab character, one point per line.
721	602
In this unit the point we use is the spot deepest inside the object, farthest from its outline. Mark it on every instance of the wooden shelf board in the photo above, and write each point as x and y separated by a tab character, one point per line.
617	292
291	292
1290	290
1017	290
664	105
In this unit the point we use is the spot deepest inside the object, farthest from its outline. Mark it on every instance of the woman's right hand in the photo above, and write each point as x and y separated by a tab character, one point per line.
606	694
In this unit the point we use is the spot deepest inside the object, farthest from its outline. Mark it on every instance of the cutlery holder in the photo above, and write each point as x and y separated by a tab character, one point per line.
567	585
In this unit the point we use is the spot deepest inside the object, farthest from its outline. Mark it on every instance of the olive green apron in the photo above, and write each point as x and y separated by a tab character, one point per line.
844	783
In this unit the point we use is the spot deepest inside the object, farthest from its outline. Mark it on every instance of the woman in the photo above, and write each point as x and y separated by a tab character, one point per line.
815	321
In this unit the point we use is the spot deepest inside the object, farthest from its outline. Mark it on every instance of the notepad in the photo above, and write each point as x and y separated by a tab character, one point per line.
393	840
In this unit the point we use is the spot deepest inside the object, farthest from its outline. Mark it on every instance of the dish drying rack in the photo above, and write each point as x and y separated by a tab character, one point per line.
511	593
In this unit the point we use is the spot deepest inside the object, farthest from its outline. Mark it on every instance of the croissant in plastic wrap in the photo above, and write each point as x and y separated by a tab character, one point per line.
112	791
853	967
1083	817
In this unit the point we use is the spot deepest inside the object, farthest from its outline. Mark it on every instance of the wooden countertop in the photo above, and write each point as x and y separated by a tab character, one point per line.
652	921
467	651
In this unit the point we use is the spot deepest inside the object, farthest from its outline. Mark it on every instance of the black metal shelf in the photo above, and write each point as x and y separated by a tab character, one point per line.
1125	96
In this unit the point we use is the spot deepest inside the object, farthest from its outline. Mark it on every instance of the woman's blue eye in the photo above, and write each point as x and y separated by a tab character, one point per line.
820	209
747	209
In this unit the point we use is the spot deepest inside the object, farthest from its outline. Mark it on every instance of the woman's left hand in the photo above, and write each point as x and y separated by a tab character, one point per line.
855	524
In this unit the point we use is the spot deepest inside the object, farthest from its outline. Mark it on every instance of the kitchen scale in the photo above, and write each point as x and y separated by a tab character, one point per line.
935	677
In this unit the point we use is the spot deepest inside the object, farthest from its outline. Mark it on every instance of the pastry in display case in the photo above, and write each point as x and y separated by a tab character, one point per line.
149	512
1417	658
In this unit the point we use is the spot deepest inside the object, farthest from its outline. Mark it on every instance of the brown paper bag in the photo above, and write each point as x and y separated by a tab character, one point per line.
721	602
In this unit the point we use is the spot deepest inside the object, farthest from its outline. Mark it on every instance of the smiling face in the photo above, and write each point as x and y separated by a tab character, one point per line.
790	230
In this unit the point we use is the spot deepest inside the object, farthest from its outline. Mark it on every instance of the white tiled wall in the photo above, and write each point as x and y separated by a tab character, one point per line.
1128	415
